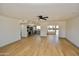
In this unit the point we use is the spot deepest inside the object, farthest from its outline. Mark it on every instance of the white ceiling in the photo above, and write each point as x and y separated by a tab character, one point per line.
55	11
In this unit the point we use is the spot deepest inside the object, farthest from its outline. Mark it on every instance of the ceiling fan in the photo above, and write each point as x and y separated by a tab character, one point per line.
43	18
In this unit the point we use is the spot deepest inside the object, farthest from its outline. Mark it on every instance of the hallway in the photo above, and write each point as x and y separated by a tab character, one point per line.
39	46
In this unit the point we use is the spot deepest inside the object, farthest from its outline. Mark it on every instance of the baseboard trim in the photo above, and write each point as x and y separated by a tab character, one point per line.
10	43
72	43
62	37
69	42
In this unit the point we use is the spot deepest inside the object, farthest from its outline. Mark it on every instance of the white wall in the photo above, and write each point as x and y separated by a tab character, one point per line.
62	27
9	30
23	31
43	28
72	30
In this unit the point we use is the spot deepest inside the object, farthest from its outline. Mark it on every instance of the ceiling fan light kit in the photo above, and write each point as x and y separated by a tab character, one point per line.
43	18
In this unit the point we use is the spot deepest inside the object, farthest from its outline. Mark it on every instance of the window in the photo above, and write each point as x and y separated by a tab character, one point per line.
38	27
52	28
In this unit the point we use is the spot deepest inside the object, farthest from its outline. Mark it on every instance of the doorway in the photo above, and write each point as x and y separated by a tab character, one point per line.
33	30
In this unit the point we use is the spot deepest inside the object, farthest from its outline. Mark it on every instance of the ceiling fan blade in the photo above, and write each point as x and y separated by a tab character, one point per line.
45	17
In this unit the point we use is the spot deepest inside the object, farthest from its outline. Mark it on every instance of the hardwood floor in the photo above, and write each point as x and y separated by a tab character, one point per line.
36	46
